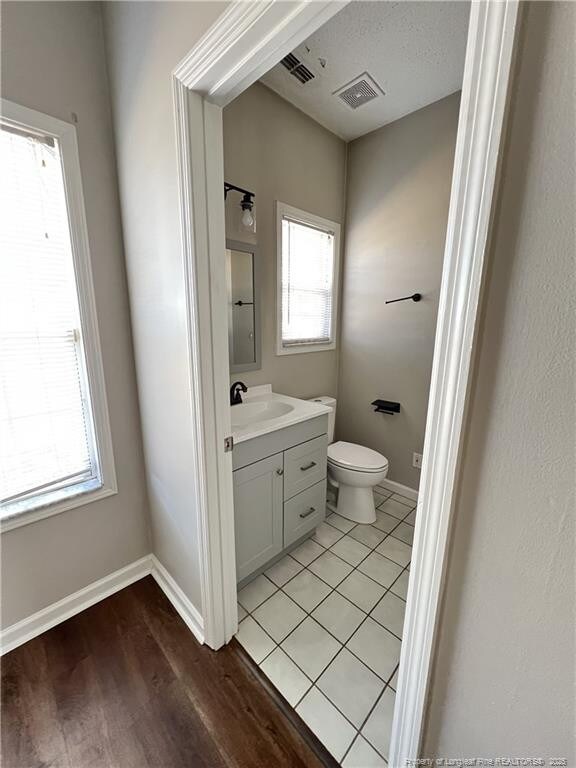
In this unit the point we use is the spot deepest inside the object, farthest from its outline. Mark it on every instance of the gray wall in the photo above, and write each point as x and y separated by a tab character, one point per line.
397	208
145	43
53	61
273	149
504	683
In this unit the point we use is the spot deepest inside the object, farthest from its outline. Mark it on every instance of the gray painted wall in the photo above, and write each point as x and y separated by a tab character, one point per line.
397	208
53	61
503	683
145	43
273	149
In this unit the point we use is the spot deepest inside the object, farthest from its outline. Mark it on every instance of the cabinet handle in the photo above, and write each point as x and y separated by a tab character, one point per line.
308	466
307	514
279	471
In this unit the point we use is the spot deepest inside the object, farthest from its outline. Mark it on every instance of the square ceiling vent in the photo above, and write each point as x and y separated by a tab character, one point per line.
360	91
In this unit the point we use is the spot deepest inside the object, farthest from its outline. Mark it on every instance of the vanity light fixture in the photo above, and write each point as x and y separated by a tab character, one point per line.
247	216
247	204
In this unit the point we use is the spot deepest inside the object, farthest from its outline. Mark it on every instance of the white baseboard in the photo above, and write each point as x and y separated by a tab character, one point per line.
403	490
184	607
43	620
48	617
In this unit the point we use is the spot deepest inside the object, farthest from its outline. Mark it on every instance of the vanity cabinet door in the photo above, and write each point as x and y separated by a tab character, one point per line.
258	513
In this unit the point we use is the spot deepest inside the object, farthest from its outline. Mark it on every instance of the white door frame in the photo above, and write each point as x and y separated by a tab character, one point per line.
242	45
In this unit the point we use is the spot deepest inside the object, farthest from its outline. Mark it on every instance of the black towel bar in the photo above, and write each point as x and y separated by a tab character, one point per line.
414	297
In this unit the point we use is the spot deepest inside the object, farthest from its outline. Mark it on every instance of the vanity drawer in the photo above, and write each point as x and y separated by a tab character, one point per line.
304	465
304	512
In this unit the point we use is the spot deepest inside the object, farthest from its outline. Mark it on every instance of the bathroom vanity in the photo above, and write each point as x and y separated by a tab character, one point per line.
279	463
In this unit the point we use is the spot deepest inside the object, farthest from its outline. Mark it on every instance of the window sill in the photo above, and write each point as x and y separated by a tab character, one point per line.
299	349
31	510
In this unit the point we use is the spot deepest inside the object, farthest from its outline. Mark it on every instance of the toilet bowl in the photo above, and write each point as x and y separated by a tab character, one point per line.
355	470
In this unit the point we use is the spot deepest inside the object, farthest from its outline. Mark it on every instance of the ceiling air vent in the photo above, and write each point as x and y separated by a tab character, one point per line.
360	91
297	69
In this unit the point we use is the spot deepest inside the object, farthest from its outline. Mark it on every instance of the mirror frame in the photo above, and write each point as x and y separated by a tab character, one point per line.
238	245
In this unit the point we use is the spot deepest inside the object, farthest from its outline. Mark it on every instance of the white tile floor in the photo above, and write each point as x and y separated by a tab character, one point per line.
325	625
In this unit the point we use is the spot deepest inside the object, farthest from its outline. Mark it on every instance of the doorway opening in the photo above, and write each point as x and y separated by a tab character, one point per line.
201	90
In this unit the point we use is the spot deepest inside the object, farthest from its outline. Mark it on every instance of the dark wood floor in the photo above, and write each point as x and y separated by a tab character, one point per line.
125	685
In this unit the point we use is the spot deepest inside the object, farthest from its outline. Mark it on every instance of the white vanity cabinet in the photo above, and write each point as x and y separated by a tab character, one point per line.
279	492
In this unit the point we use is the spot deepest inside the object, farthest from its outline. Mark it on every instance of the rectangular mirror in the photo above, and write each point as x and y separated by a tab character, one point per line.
243	306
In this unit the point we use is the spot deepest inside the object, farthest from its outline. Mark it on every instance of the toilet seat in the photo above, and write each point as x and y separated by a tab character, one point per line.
356	457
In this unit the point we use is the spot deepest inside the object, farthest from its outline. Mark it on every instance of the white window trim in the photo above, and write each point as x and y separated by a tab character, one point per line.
282	209
56	502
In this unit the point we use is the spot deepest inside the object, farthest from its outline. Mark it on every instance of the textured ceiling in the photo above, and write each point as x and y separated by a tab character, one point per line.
413	50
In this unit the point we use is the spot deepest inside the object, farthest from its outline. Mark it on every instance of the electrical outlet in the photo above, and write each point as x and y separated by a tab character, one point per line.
417	460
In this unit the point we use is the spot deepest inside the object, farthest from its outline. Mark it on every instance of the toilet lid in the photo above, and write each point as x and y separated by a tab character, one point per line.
352	456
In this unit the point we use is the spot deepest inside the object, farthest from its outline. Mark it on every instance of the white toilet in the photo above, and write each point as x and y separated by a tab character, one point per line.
354	470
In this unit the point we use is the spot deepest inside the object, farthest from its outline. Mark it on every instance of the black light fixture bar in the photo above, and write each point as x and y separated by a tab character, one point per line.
233	188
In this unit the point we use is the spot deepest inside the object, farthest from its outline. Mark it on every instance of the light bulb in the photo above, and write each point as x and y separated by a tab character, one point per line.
247	218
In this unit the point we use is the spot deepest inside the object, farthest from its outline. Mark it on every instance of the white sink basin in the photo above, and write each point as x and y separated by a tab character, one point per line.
263	411
260	408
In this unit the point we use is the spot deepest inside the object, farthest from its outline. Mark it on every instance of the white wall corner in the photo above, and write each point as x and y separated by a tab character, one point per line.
187	611
43	620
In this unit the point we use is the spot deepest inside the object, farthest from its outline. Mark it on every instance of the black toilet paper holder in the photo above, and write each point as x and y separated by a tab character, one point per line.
386	406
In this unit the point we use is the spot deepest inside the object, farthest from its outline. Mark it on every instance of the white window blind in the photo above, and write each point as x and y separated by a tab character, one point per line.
46	425
307	292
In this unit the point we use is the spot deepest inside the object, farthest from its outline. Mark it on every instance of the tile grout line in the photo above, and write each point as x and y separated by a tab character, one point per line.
366	720
387	685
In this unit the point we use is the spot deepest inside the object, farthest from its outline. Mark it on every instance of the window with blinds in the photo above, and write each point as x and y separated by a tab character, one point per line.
46	423
308	285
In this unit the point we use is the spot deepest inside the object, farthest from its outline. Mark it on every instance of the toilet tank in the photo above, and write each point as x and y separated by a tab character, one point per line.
331	402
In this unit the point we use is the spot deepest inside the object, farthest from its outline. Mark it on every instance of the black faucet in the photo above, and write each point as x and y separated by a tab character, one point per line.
235	396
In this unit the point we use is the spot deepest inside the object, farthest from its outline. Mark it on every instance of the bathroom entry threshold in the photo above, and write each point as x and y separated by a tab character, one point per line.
307	735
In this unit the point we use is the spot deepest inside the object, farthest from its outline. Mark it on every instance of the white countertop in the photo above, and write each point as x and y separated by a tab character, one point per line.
269	411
